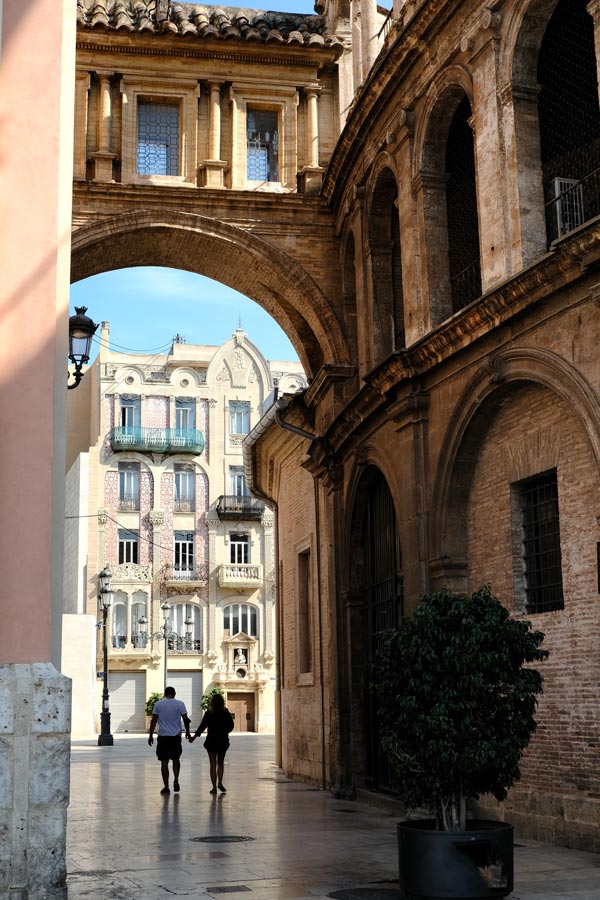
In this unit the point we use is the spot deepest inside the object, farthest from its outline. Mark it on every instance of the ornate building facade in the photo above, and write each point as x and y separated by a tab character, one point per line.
159	497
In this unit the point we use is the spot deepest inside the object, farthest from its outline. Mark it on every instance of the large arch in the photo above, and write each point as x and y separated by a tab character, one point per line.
227	254
466	432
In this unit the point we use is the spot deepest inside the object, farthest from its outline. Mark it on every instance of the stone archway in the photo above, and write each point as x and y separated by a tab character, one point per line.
466	433
227	254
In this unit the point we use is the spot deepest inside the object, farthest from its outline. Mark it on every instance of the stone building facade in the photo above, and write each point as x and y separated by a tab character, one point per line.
463	446
434	263
159	497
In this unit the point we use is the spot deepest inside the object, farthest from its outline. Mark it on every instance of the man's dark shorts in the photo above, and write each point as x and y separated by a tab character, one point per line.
168	746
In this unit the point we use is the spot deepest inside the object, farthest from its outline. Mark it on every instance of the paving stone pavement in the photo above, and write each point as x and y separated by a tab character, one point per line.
126	841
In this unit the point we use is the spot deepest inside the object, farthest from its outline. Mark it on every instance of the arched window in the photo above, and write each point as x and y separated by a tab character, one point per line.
461	210
386	268
119	620
240	617
186	621
569	119
138	610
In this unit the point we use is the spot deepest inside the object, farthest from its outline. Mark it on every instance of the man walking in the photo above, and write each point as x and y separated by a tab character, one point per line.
169	713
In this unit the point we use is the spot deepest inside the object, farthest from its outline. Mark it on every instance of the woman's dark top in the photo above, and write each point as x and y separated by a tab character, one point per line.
217	726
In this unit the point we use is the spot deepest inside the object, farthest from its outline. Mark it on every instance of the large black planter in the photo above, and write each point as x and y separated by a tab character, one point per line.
475	864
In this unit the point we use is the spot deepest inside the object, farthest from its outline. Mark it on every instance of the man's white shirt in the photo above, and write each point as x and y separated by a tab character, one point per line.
169	711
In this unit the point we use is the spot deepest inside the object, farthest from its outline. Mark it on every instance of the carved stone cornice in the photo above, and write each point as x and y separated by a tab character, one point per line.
156	517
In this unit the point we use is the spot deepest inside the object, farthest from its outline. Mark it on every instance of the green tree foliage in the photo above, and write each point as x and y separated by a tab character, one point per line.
206	698
457	698
152	699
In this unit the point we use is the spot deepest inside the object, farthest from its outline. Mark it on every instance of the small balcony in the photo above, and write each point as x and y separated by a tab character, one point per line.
184	579
239	507
156	440
240	575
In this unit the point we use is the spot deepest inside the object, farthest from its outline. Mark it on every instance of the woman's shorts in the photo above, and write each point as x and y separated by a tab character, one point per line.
168	746
216	745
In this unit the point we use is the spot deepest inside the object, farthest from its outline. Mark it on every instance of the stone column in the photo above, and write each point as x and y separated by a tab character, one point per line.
430	198
593	8
103	158
37	73
210	647
401	144
356	45
488	140
526	217
82	87
368	35
311	175
214	167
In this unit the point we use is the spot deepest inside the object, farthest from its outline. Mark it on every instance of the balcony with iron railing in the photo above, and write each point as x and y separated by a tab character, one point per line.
156	440
240	575
184	579
239	506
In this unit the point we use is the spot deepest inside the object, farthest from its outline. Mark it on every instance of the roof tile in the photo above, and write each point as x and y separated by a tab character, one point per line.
205	22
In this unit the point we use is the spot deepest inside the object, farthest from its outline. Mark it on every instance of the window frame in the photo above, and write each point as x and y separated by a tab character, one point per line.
252	616
128	546
129	499
239	412
185	549
185	95
530	530
239	545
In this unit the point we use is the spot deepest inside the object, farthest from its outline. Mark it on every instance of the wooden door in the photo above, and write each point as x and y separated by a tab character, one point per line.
241	707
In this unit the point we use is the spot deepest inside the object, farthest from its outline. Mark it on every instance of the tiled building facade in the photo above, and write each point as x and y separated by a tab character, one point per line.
168	512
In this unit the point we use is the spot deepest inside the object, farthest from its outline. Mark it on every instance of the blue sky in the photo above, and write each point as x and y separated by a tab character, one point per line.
147	307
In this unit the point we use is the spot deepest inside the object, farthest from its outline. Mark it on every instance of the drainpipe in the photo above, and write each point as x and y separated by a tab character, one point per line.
273	415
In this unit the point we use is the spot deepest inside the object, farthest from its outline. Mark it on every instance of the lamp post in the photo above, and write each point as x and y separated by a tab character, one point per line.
164	634
105	738
81	332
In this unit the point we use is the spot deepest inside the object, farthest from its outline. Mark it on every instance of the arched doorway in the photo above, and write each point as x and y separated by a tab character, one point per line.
378	582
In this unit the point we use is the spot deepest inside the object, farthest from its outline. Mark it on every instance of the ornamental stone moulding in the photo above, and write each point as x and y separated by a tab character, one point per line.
132	572
156	518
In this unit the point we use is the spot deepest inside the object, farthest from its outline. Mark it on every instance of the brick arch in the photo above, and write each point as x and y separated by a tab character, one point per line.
466	433
433	122
227	254
524	32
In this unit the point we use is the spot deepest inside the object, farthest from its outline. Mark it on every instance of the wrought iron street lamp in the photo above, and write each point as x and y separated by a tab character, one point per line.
81	332
105	738
165	634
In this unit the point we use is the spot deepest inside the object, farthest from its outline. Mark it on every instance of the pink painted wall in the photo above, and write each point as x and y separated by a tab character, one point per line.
36	111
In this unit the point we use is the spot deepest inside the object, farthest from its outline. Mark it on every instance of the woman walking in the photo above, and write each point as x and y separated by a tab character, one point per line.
217	722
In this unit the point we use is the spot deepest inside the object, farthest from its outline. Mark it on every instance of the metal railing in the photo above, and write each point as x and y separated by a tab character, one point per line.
156	440
239	506
185	573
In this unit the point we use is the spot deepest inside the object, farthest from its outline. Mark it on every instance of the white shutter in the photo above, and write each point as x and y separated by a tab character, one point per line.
127	702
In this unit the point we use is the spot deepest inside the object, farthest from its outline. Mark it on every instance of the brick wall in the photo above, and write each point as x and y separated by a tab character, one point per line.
562	762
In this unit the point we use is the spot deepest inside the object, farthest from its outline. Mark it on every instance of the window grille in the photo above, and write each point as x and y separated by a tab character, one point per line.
541	543
158	138
569	119
262	145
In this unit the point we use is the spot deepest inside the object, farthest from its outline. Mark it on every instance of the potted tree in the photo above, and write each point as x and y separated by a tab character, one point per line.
152	699
457	697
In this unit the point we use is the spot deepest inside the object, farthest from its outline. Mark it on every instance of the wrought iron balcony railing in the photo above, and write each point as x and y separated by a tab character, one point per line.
239	506
156	440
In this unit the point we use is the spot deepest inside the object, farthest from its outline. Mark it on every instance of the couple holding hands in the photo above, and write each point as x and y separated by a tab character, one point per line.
217	721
